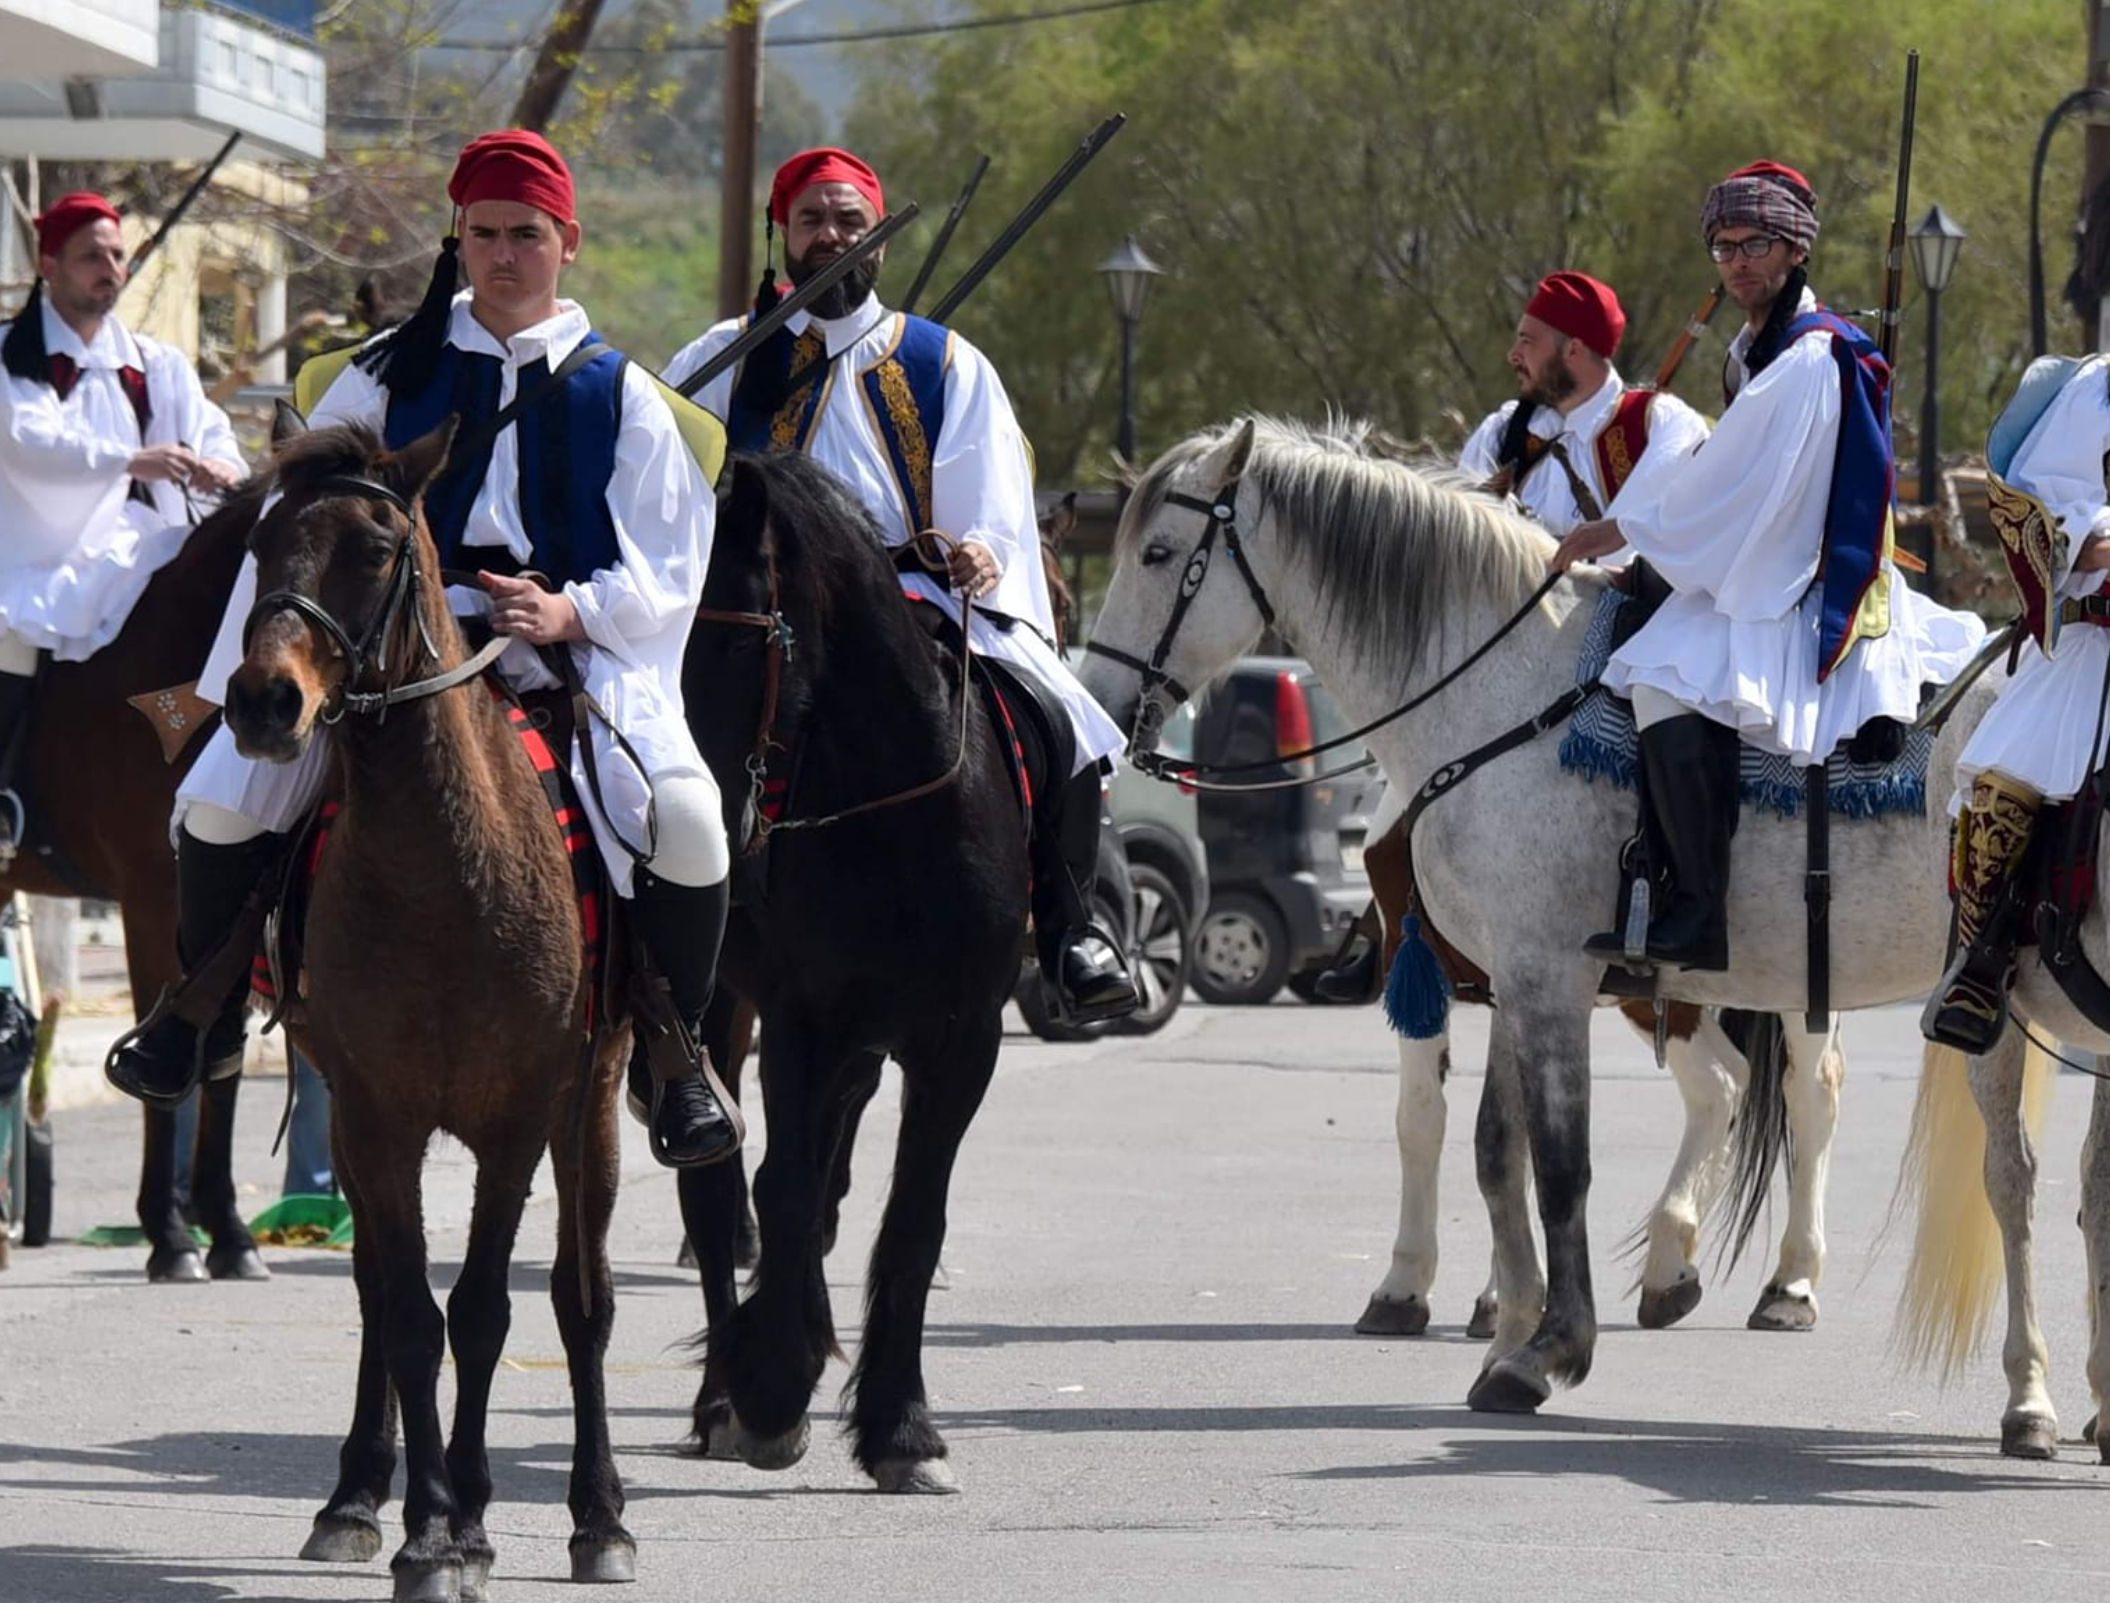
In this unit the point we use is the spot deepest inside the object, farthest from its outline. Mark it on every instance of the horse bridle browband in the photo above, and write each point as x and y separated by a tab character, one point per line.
1222	513
370	649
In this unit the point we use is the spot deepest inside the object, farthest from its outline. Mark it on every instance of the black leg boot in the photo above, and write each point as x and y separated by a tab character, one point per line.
1968	1009
1081	963
162	1062
674	1089
1692	778
1356	976
16	692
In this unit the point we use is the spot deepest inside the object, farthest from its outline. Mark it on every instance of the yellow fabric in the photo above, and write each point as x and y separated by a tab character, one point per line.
317	374
702	433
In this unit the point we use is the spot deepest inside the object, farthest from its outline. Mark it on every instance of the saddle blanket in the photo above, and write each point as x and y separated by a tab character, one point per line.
1602	743
283	956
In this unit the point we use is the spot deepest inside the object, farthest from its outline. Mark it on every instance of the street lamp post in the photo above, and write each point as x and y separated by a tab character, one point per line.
1937	242
1128	274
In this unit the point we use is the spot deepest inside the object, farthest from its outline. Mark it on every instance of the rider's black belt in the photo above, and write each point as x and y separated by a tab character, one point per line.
2086	609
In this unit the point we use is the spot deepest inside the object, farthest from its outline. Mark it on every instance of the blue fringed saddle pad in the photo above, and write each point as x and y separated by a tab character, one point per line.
1601	743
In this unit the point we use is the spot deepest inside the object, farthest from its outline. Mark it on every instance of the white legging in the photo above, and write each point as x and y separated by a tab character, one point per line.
17	656
691	841
1652	707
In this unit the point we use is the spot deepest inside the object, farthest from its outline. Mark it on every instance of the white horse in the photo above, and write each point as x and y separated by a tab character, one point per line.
1731	1131
1386	578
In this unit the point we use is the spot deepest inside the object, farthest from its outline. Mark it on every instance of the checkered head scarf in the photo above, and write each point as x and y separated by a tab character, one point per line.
1764	195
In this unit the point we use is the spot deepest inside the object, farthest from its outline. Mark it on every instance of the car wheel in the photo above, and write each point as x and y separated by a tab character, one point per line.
1241	953
1163	952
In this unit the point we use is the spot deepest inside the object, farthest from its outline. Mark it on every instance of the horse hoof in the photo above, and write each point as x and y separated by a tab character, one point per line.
1662	1309
173	1266
429	1583
1394	1316
608	1561
720	1440
337	1541
2029	1436
476	1577
1505	1388
1486	1313
2088	1430
932	1477
236	1263
771	1452
1783	1310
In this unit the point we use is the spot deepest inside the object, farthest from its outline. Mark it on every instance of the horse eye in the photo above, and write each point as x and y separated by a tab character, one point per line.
1156	554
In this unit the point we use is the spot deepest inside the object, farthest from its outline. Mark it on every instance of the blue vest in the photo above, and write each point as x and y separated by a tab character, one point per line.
904	391
566	444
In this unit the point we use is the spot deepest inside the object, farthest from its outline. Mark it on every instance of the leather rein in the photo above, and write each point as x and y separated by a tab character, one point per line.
780	641
369	651
1222	512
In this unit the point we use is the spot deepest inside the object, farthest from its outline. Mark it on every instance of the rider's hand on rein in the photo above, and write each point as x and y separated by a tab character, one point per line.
524	610
1586	542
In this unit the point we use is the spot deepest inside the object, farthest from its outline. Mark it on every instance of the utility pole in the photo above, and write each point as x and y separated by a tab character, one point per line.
555	62
736	177
2095	335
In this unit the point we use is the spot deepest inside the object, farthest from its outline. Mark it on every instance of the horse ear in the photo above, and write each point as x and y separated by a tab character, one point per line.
1234	453
409	470
746	494
287	422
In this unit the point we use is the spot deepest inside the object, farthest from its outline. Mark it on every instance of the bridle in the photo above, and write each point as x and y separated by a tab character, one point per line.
1222	513
369	651
780	640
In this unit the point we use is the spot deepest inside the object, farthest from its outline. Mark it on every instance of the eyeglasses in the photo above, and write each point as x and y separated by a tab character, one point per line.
1726	250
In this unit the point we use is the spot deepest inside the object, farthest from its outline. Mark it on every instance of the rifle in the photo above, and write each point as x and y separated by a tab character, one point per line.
945	229
797	301
1687	338
190	196
1081	158
1894	262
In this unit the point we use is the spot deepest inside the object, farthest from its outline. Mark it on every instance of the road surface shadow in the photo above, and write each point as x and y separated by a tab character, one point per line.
106	1575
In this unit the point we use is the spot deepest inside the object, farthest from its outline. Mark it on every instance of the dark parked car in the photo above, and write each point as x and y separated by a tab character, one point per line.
1285	866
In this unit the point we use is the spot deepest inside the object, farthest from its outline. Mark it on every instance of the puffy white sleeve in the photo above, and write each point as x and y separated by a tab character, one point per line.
354	396
199	422
1675	431
980	473
2061	464
41	445
1742	518
664	516
715	397
1479	458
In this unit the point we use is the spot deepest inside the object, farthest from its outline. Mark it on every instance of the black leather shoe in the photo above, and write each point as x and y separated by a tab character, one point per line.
685	1123
1355	980
1094	985
163	1064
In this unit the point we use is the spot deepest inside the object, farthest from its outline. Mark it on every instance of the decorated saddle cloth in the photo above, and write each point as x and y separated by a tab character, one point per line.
1601	743
276	976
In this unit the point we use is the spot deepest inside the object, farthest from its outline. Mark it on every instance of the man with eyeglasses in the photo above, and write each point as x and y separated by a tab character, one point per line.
1789	626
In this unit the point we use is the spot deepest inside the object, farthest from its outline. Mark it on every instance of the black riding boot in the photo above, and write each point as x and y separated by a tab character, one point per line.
16	691
162	1063
674	1091
1356	976
1968	1010
1081	963
1691	789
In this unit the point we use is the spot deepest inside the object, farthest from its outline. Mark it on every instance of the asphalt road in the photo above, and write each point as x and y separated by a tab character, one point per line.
1143	1362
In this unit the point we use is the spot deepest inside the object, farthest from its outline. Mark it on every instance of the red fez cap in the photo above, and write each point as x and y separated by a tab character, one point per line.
67	216
516	165
1577	305
825	165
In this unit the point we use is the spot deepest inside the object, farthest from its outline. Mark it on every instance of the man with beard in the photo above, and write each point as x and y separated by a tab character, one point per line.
916	422
104	436
1789	625
570	461
1574	441
1576	436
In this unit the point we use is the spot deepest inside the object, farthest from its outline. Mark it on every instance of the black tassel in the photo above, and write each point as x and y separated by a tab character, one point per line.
404	357
22	353
1516	438
1773	338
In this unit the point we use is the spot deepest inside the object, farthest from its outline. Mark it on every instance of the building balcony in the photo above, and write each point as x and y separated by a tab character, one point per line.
222	69
78	38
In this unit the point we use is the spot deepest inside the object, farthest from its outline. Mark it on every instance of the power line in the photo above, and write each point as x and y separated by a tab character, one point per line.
793	40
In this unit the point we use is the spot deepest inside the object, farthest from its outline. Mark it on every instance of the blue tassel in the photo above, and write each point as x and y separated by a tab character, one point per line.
1417	991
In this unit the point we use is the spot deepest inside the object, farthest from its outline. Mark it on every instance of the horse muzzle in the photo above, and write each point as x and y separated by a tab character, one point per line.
271	715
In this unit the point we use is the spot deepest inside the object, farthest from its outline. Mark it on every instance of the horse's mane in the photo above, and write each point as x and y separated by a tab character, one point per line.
339	448
829	542
1393	542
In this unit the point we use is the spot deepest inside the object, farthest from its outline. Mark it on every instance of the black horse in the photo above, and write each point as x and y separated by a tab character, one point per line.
893	933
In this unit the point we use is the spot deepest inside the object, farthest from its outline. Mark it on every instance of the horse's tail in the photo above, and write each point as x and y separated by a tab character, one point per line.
1957	1268
1759	1134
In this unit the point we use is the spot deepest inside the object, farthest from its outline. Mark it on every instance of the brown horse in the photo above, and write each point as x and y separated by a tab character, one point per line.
99	790
448	988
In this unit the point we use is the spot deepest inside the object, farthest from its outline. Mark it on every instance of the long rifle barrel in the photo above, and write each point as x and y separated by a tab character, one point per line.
1894	262
945	230
1688	337
1015	230
190	196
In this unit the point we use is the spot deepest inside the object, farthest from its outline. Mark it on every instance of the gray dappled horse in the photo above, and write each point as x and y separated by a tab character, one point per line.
1386	577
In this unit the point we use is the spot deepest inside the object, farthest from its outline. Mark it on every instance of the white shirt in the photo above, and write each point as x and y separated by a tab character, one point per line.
640	610
981	473
63	463
2060	462
1675	430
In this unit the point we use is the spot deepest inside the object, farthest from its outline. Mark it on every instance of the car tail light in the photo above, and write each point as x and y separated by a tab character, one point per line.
1292	719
